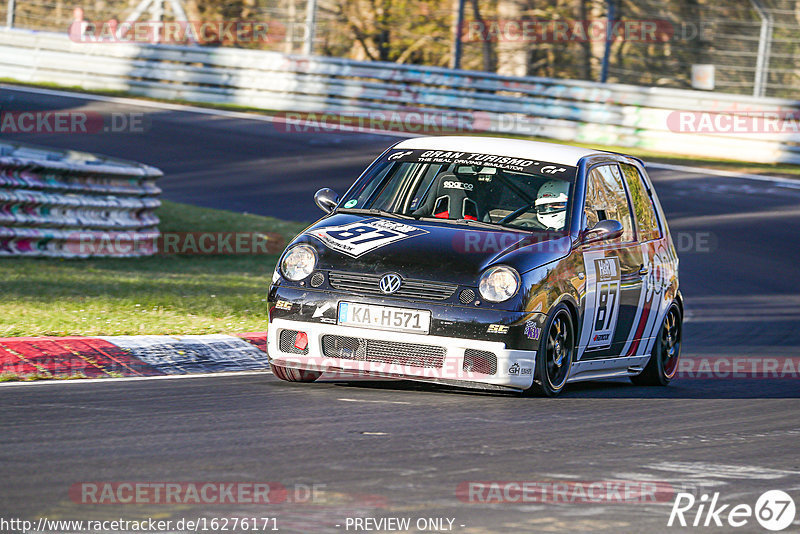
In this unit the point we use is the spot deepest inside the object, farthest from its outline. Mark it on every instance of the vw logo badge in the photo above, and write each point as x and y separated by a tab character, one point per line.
390	283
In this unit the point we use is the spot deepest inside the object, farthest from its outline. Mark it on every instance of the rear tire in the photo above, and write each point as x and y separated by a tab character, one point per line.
663	363
555	354
294	375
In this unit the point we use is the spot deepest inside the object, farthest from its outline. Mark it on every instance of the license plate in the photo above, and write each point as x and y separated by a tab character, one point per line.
384	318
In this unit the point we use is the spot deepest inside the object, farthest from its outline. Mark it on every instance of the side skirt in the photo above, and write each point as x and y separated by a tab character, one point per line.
608	368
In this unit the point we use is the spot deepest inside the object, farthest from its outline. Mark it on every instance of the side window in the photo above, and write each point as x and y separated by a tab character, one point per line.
592	201
368	188
606	199
643	209
388	195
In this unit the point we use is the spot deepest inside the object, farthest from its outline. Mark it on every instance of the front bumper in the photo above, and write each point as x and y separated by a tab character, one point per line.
376	353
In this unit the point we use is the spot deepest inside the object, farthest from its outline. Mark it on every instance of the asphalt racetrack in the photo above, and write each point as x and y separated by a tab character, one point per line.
399	450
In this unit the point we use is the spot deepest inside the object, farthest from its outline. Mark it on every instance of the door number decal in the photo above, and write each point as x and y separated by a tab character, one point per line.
606	306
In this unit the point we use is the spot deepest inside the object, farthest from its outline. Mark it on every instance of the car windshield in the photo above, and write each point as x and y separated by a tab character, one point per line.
466	188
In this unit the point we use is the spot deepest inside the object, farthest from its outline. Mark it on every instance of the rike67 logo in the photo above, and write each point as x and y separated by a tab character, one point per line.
774	510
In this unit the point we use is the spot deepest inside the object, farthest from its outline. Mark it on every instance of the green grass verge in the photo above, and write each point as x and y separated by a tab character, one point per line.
156	295
743	166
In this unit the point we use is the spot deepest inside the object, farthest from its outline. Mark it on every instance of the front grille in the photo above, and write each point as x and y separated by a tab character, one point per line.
466	296
412	289
480	361
286	342
390	352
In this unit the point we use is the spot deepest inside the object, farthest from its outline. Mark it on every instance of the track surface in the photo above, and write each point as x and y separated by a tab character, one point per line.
410	445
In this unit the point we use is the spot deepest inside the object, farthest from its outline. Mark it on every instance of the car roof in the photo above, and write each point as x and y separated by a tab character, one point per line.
500	146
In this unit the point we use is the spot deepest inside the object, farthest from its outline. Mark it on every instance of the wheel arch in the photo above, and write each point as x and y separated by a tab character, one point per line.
679	300
572	305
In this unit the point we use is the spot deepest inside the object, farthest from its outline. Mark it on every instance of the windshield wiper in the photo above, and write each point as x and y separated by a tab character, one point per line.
374	211
483	224
467	222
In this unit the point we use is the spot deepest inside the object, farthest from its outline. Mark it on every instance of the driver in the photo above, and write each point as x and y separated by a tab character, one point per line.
551	204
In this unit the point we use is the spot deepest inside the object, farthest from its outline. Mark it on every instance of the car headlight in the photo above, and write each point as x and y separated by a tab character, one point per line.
499	283
299	262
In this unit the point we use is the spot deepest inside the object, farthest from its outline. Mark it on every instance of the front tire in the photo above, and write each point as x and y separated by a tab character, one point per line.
294	375
555	354
663	363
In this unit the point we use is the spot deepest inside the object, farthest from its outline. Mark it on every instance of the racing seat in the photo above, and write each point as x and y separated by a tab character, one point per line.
452	196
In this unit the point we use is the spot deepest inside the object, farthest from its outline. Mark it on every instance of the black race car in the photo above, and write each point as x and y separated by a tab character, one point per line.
482	262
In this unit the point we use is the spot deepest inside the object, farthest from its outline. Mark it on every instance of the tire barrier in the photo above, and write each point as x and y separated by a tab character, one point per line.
697	123
63	203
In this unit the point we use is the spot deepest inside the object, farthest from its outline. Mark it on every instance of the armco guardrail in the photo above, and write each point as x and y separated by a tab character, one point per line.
73	204
569	110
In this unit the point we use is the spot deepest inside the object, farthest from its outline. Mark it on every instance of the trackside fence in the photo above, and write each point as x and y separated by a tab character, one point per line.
72	204
697	123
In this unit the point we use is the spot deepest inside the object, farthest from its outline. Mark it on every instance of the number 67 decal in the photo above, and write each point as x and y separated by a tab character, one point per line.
358	238
606	305
349	235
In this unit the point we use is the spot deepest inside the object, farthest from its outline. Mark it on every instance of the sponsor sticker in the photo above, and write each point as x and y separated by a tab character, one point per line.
399	155
358	238
552	169
320	311
514	369
497	329
283	305
449	184
480	161
532	331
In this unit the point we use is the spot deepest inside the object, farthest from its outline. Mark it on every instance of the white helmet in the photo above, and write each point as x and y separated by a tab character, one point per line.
551	204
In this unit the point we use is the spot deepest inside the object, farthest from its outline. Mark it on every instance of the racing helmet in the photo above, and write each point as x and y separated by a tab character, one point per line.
551	204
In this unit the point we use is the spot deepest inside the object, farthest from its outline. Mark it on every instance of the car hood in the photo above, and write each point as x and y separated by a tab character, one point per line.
430	250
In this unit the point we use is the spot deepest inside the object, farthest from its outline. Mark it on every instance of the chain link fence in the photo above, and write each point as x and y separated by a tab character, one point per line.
732	46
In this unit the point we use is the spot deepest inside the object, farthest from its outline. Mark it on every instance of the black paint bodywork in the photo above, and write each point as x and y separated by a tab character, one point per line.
551	267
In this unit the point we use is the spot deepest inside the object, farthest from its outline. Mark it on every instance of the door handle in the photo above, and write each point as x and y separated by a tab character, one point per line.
643	270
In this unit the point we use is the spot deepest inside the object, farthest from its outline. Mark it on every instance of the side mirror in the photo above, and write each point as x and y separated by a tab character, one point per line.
602	231
326	199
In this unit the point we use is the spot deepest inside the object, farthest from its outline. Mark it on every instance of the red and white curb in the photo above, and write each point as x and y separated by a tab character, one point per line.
117	356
